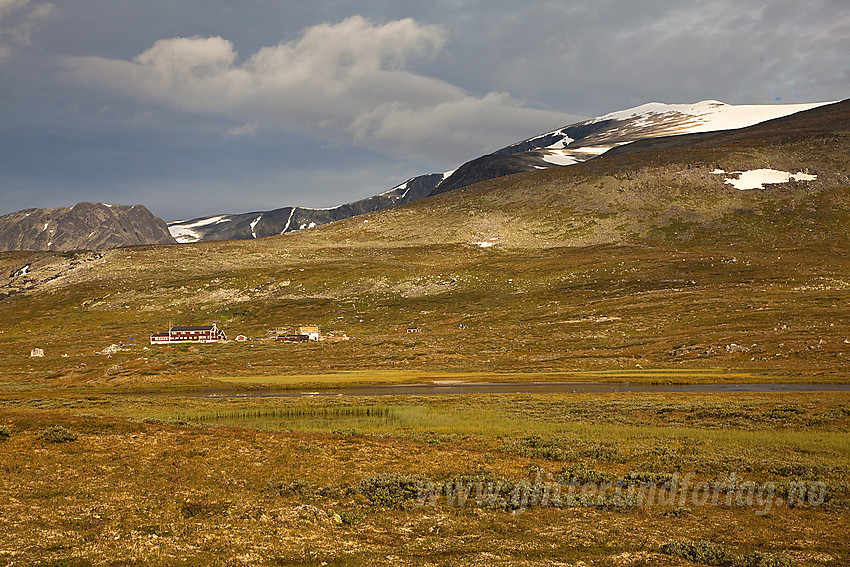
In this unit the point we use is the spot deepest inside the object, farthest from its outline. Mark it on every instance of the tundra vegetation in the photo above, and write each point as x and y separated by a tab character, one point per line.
99	477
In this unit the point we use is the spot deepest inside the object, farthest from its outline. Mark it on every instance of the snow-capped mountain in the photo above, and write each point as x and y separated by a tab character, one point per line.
565	146
585	140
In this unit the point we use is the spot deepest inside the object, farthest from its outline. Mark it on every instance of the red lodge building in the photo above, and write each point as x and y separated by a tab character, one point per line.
192	334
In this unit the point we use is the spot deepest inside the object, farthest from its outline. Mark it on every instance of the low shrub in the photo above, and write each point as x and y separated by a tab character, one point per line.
296	487
641	477
57	434
336	491
168	421
351	517
797	470
346	432
577	473
203	509
708	553
390	489
759	559
5	432
699	551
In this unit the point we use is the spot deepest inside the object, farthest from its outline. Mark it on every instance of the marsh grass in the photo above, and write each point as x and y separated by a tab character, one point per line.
318	419
595	438
419	419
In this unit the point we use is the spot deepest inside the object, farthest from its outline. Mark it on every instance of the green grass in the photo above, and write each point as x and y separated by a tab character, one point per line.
420	419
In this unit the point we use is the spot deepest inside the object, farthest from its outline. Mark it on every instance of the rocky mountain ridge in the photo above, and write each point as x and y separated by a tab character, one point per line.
85	226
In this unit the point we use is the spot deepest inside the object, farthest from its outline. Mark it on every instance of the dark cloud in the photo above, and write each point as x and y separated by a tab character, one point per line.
200	106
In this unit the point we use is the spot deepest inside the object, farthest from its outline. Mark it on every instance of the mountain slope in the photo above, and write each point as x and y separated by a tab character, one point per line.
85	226
566	146
586	140
668	188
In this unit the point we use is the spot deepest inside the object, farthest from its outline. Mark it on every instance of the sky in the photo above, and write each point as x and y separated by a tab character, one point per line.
199	107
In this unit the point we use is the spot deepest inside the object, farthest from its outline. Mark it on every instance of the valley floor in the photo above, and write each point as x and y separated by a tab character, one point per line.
94	478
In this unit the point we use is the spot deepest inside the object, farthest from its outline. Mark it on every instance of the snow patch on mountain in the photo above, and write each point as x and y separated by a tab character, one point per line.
489	243
182	230
395	189
707	115
254	225
560	144
558	157
21	272
585	140
758	178
289	220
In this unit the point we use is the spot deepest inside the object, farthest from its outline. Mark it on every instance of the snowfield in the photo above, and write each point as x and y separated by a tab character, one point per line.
758	178
708	115
183	233
653	120
254	225
557	157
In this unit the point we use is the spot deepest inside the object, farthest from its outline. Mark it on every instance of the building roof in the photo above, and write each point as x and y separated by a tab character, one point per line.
194	328
160	334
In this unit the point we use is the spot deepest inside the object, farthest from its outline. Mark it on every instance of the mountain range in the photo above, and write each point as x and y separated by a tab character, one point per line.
103	226
569	145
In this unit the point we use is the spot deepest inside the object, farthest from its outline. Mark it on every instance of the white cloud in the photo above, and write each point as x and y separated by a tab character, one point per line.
350	80
249	130
18	19
470	125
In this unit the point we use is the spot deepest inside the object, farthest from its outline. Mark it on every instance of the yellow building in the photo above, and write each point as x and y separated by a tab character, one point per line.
311	332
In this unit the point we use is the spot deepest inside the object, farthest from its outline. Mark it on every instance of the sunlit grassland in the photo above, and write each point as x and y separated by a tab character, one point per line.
420	419
386	377
620	313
